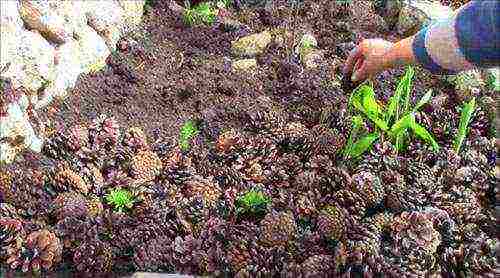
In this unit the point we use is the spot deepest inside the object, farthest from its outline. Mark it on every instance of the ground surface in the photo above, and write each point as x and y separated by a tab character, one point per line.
279	129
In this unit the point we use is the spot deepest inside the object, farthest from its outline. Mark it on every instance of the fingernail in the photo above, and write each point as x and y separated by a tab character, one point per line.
354	77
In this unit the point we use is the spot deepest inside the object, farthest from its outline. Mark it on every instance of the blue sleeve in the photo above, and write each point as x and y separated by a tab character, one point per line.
477	29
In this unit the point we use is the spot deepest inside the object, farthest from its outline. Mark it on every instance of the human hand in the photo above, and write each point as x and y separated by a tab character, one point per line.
368	59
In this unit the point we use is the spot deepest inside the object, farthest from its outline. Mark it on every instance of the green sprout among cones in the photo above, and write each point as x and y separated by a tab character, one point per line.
188	132
463	127
120	199
203	13
395	121
253	203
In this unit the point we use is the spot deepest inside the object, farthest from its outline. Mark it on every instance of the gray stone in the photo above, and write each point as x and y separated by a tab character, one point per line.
467	83
252	45
244	64
416	14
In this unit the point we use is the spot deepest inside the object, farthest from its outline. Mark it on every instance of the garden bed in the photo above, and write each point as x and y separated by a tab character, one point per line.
244	173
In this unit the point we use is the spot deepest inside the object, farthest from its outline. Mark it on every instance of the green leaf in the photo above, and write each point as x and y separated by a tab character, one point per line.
407	84
362	145
402	125
465	118
357	96
357	123
424	100
364	100
404	87
426	136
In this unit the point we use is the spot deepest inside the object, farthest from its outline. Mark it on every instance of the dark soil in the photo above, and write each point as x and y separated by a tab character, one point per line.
280	130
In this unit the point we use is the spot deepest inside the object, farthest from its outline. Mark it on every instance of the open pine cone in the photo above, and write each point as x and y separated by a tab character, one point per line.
40	249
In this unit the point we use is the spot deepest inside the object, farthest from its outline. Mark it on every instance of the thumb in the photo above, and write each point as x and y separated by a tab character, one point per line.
359	74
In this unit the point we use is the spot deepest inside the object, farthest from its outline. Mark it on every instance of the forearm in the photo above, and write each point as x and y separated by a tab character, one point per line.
400	54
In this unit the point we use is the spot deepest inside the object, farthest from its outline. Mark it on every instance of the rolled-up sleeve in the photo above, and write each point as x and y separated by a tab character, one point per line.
467	39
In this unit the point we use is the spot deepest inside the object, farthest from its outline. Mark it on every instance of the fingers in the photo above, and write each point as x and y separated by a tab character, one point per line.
353	58
360	74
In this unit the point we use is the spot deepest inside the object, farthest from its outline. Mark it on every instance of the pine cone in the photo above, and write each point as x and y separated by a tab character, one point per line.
317	266
295	137
205	188
227	141
69	204
238	258
7	210
78	137
93	255
153	255
94	206
369	187
66	177
42	249
11	231
278	229
135	138
332	222
146	165
326	141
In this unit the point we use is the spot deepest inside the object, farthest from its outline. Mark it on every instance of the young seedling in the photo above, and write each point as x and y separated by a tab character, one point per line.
203	13
396	120
252	203
120	199
463	126
188	132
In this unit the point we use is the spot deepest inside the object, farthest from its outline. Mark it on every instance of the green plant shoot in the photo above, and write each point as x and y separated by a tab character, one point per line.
465	118
120	199
396	119
203	13
187	133
253	202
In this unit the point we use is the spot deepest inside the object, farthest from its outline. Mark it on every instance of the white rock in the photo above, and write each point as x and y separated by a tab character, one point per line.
93	50
9	14
16	124
67	70
251	45
132	12
10	27
33	65
107	18
47	18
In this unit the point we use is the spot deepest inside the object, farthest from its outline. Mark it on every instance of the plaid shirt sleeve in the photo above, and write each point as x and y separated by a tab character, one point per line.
468	39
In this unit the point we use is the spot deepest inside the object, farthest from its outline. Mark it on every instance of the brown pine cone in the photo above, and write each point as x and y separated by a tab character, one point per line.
69	204
207	189
146	165
11	231
332	222
67	177
42	249
93	256
278	229
227	141
135	138
369	187
317	266
238	258
5	185
94	206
